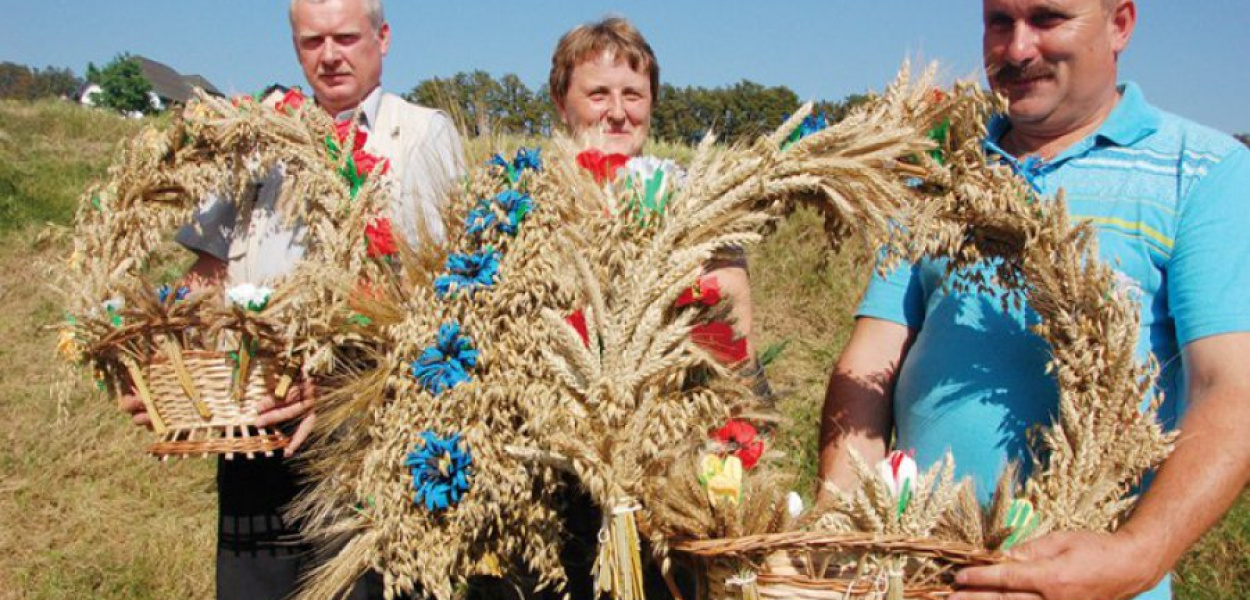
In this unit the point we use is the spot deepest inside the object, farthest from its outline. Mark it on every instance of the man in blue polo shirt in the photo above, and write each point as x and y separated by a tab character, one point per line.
943	370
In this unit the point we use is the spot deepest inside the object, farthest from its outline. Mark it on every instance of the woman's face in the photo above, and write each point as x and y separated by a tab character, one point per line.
608	105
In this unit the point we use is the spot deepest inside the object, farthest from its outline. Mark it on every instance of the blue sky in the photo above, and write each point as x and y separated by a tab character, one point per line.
1189	56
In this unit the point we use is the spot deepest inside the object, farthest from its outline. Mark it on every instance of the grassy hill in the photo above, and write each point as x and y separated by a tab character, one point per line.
83	514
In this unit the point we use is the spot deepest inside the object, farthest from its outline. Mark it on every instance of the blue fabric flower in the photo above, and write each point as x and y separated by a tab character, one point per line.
163	292
499	161
811	124
441	468
516	205
446	364
468	272
481	219
526	158
484	217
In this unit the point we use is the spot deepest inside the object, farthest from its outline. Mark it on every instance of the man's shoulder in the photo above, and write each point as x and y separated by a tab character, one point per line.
412	114
1192	143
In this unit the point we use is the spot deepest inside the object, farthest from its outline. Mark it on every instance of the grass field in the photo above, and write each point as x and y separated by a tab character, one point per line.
83	514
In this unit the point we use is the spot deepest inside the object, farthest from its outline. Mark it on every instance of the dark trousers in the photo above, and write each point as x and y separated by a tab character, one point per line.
259	556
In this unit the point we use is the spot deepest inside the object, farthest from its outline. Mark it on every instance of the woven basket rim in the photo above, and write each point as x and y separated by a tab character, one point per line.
160	358
754	544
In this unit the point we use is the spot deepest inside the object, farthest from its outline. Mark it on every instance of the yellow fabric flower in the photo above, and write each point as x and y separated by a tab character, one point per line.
722	478
68	347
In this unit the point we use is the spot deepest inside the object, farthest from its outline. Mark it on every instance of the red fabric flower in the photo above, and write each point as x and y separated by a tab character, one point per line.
705	290
938	95
240	100
719	339
379	239
343	128
291	101
578	321
602	166
737	437
365	163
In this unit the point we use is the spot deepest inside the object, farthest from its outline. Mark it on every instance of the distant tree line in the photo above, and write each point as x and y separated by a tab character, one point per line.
21	82
122	85
487	106
1244	138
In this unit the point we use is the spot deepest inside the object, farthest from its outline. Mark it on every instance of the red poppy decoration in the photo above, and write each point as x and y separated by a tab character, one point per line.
365	163
719	339
344	128
379	239
578	321
738	438
240	100
291	101
706	290
602	166
938	95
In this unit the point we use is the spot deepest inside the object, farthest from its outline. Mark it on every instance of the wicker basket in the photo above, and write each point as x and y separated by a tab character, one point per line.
806	566
198	406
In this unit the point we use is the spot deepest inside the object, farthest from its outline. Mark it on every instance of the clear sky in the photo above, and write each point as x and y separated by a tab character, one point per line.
1188	55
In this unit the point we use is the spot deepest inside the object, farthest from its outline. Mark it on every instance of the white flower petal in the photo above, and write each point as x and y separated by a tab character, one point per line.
794	503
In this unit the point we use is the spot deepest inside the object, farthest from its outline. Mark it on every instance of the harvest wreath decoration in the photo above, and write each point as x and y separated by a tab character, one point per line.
570	328
201	360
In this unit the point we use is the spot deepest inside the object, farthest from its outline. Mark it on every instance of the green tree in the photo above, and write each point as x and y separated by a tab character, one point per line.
467	97
514	107
734	113
1244	138
122	86
544	109
835	111
485	105
15	81
26	83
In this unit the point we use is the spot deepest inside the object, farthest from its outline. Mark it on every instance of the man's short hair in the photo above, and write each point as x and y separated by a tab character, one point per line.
613	35
373	9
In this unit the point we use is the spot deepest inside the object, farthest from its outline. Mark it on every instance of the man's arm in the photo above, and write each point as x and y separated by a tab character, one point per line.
857	412
1194	487
736	285
206	272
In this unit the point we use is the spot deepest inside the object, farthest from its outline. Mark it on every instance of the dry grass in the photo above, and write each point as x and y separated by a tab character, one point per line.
84	512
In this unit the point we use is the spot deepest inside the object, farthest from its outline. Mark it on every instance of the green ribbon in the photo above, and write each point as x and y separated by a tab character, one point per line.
1021	520
650	202
939	134
904	497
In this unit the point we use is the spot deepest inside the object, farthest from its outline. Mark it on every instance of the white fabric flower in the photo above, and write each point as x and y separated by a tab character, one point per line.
249	296
898	470
794	502
114	304
641	169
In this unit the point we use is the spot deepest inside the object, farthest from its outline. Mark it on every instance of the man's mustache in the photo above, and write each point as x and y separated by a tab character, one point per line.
1004	73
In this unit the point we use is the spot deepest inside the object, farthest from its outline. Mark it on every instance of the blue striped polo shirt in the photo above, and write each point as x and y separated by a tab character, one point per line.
1171	203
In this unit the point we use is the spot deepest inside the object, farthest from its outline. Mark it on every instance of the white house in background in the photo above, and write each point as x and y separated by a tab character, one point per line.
168	86
87	94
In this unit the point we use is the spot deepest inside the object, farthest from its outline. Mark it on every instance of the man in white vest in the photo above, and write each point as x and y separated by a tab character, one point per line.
340	45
